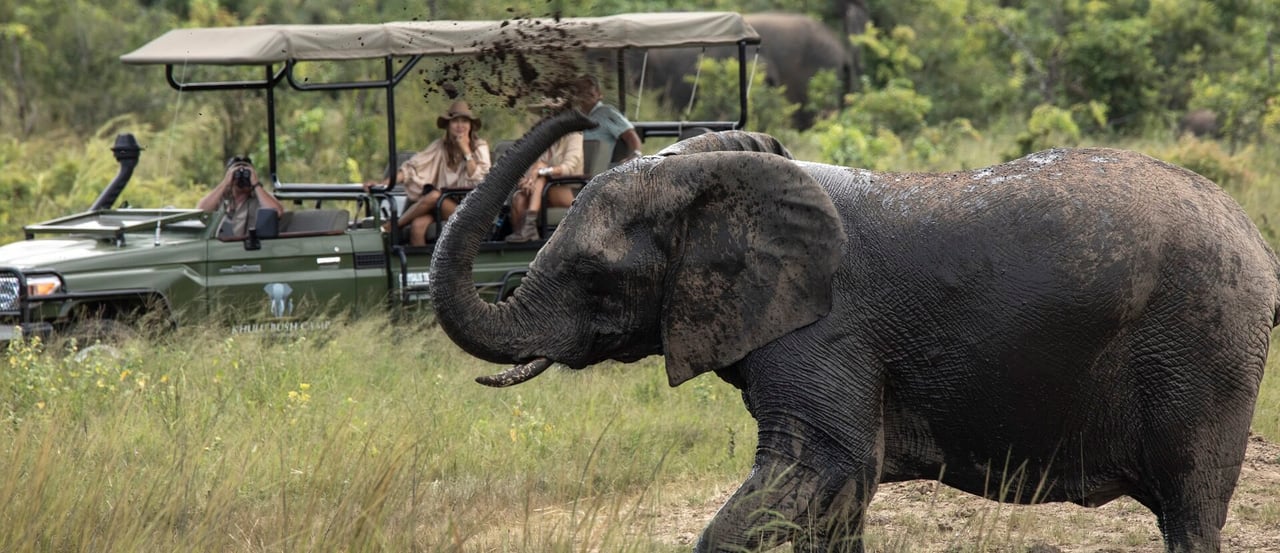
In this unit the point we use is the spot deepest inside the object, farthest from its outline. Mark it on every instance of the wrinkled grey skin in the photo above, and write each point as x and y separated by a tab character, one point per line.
794	47
1075	325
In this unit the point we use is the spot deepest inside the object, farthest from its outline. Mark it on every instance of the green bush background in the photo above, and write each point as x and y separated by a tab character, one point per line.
360	438
946	84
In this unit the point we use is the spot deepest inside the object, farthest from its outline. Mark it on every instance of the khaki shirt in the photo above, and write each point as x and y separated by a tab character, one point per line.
430	168
236	222
565	154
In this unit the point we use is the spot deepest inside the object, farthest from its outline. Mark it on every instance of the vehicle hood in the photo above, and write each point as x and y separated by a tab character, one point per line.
71	252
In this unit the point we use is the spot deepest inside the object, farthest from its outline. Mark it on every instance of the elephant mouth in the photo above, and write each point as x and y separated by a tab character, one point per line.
517	374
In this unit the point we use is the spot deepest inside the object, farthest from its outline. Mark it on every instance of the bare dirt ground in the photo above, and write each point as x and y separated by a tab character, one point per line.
927	517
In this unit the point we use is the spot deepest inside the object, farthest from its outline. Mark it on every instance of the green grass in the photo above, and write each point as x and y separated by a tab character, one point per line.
364	437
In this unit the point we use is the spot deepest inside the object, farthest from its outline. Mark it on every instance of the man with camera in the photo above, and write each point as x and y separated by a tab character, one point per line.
239	195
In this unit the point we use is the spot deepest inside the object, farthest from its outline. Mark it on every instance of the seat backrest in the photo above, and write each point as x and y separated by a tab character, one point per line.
401	157
315	221
499	148
620	152
595	157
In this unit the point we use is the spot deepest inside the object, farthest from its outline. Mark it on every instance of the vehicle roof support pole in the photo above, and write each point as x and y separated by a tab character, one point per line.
622	82
391	122
271	126
742	84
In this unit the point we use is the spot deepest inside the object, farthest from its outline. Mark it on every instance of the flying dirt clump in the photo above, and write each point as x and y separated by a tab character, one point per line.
529	58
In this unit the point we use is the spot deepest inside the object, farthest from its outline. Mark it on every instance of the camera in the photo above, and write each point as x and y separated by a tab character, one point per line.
242	177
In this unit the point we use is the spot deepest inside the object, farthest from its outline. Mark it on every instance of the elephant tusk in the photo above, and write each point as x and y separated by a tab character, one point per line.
517	374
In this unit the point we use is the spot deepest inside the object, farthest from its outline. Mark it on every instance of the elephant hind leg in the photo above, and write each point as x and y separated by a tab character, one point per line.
1191	502
775	505
1190	520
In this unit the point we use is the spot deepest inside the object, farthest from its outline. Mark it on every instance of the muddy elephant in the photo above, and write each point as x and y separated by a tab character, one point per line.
1075	325
794	47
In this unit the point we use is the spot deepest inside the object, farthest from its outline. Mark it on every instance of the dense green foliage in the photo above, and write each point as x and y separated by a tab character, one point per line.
941	79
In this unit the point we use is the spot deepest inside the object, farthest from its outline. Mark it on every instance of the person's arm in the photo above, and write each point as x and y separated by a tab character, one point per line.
629	136
213	200
479	164
571	162
266	199
632	140
421	170
383	182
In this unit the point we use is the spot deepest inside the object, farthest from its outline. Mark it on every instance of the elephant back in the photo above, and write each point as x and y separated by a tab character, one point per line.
727	141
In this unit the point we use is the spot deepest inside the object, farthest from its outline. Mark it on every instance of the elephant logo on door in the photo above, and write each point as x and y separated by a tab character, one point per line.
278	294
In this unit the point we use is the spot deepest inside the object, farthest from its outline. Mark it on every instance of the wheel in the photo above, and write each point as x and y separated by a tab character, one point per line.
98	337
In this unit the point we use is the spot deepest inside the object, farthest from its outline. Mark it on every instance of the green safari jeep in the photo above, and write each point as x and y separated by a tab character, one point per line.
109	268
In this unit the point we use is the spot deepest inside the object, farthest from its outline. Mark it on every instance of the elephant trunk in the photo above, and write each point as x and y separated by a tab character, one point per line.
485	330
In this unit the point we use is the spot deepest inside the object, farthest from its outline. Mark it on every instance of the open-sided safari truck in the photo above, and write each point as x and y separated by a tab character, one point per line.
109	267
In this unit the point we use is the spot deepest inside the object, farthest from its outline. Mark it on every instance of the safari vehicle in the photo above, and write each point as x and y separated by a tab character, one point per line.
113	267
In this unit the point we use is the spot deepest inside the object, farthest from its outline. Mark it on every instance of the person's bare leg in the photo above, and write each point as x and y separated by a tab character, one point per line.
535	194
425	205
447	209
418	230
519	203
560	196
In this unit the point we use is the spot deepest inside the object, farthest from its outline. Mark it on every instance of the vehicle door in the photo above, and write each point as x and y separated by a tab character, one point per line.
295	280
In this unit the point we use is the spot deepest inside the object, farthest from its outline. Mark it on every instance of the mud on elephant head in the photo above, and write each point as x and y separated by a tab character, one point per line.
1075	325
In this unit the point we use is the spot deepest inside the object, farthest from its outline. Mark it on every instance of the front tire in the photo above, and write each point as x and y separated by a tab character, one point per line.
91	338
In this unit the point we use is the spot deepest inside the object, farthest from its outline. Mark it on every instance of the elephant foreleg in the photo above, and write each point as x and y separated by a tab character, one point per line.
780	503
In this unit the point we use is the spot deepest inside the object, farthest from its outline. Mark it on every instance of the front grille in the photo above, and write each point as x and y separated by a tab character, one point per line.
8	293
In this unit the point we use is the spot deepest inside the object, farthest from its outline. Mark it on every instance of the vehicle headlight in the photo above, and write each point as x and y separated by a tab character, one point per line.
43	285
38	286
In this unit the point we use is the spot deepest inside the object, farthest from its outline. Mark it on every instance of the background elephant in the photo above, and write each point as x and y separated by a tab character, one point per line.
1201	123
1075	325
794	47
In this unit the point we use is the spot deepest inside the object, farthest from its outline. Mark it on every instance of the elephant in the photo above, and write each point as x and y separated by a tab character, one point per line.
1202	123
794	47
1075	325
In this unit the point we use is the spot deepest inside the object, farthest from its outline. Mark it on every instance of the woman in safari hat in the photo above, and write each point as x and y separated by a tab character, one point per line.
459	161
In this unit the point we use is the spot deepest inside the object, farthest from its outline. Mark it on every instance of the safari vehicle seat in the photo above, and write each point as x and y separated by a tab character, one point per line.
314	221
396	193
401	157
499	148
595	157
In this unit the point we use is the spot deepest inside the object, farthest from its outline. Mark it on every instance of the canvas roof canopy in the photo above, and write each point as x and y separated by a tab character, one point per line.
270	44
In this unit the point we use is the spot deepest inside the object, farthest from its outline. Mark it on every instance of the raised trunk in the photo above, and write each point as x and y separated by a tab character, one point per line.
489	331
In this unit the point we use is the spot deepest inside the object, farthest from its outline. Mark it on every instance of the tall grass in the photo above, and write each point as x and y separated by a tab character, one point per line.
371	437
368	436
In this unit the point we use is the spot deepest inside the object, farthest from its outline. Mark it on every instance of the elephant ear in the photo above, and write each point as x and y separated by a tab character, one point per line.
753	246
736	141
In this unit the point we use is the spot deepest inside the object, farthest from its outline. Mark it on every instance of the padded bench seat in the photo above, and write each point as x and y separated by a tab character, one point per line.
314	221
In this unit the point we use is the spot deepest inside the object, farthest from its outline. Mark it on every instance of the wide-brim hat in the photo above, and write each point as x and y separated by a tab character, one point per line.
456	110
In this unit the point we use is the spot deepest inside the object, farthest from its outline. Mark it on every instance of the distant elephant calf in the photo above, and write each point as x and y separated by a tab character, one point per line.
1075	325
